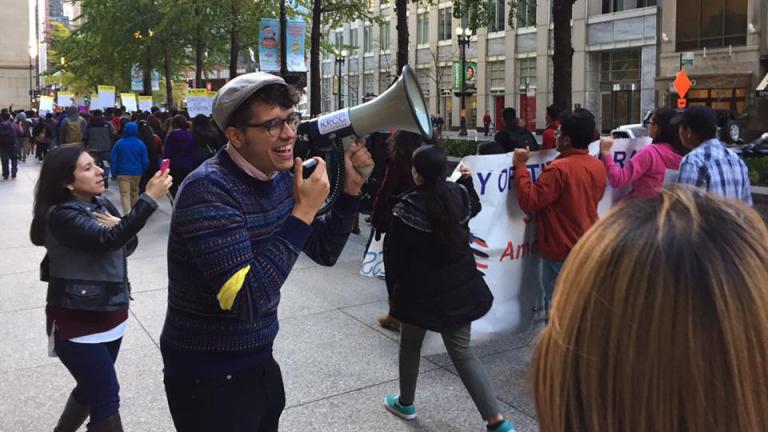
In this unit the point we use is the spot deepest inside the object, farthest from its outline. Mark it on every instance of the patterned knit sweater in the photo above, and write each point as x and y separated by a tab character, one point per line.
229	226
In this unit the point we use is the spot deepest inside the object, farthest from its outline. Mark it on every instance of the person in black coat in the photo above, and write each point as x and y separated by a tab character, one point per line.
435	283
87	243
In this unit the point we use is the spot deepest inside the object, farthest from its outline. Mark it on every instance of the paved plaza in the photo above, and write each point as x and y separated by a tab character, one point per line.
337	363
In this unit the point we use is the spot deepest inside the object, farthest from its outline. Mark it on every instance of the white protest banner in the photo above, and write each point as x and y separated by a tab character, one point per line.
373	260
129	102
145	103
46	104
105	98
198	102
505	244
65	99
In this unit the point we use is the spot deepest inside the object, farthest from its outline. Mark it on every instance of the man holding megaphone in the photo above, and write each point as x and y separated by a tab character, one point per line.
240	221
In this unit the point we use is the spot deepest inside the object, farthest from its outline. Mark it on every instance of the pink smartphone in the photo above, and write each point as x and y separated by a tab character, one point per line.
165	165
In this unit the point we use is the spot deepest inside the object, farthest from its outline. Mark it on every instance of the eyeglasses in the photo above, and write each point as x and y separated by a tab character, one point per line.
275	126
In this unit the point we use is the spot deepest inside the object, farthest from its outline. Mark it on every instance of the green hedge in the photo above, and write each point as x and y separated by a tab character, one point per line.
460	148
758	170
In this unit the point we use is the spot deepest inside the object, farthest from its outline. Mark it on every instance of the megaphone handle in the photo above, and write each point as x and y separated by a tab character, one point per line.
347	142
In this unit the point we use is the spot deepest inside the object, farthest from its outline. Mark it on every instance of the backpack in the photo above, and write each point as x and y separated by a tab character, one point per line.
72	131
7	135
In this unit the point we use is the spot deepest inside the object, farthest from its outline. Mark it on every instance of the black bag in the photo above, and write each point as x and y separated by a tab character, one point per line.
7	136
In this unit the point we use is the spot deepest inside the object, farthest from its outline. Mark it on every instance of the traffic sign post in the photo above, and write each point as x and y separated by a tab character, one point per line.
682	103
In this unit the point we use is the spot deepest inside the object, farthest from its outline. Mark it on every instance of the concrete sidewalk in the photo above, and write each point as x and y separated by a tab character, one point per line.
337	363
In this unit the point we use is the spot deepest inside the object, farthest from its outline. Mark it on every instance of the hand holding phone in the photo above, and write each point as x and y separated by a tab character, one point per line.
165	165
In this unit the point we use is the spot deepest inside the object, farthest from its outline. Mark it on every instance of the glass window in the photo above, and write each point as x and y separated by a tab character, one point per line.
326	105
526	72
499	18
711	24
526	13
424	77
368	83
339	40
620	5
422	28
384	81
353	38
617	66
496	72
384	35
353	84
444	22
367	37
445	78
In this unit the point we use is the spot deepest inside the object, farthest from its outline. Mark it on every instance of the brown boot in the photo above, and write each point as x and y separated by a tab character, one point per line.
73	416
109	424
389	322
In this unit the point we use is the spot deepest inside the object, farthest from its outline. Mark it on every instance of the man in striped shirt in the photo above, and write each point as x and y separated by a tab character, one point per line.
710	165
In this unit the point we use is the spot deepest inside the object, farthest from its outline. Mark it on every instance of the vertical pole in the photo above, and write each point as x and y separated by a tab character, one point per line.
283	45
338	89
463	121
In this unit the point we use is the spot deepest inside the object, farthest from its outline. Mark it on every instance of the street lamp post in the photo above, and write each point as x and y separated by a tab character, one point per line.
340	58
463	35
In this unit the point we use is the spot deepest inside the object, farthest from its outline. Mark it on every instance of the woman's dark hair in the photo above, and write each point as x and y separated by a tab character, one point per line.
442	206
201	121
57	172
279	95
180	122
667	132
402	144
156	125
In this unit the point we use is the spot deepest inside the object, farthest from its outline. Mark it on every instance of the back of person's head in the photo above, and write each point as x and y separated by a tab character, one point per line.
157	126
180	122
201	121
701	120
97	113
5	116
579	126
553	111
510	116
659	322
666	131
57	172
489	148
48	116
430	162
401	145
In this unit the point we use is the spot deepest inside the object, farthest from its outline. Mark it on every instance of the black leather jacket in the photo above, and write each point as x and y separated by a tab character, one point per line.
86	266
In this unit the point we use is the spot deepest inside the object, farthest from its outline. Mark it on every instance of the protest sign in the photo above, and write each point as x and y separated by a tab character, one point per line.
145	103
46	104
65	99
198	102
105	98
129	102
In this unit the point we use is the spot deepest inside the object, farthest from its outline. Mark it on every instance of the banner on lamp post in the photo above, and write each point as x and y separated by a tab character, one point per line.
469	75
295	38
269	45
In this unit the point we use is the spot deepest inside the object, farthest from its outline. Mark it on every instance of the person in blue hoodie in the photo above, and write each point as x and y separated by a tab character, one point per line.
129	161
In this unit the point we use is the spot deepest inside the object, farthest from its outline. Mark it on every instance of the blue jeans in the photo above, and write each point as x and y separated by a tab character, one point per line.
13	158
550	270
93	368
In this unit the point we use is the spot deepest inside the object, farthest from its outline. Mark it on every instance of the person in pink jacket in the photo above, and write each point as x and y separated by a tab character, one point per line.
645	171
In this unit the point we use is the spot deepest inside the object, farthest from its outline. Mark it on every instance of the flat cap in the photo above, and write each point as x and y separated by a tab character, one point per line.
236	91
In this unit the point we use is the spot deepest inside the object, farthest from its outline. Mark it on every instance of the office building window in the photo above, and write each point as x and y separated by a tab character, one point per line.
445	78
444	20
526	13
384	35
339	40
326	105
422	28
620	5
368	84
353	38
424	76
711	24
367	38
385	79
353	89
620	66
526	72
496	72
499	18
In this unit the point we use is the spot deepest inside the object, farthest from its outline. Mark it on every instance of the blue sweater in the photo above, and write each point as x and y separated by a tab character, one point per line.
226	224
129	155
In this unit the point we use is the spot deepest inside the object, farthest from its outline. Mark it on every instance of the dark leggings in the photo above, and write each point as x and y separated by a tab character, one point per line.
93	367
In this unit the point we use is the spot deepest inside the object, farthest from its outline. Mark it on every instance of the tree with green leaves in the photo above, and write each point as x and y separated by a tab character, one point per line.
329	14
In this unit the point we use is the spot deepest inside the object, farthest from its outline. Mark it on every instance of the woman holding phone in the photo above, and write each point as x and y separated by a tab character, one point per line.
87	243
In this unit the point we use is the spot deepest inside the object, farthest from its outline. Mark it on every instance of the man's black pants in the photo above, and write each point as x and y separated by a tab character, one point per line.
248	401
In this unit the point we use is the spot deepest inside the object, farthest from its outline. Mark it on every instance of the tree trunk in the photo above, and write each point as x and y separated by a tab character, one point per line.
199	48
148	71
401	8
314	60
562	61
168	80
234	41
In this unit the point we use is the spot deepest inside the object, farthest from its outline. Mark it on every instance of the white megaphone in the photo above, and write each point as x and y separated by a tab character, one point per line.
400	107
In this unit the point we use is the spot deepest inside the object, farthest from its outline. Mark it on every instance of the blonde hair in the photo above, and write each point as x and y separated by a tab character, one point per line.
660	322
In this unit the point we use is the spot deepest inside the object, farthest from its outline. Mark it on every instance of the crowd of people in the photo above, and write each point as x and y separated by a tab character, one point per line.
655	313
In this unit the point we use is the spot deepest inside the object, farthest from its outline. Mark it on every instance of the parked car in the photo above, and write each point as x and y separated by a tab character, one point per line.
636	130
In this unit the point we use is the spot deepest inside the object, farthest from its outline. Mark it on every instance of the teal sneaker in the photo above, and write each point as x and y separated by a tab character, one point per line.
392	404
504	426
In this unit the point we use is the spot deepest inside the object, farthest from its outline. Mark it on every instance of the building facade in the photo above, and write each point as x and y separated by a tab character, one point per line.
723	46
17	55
614	62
